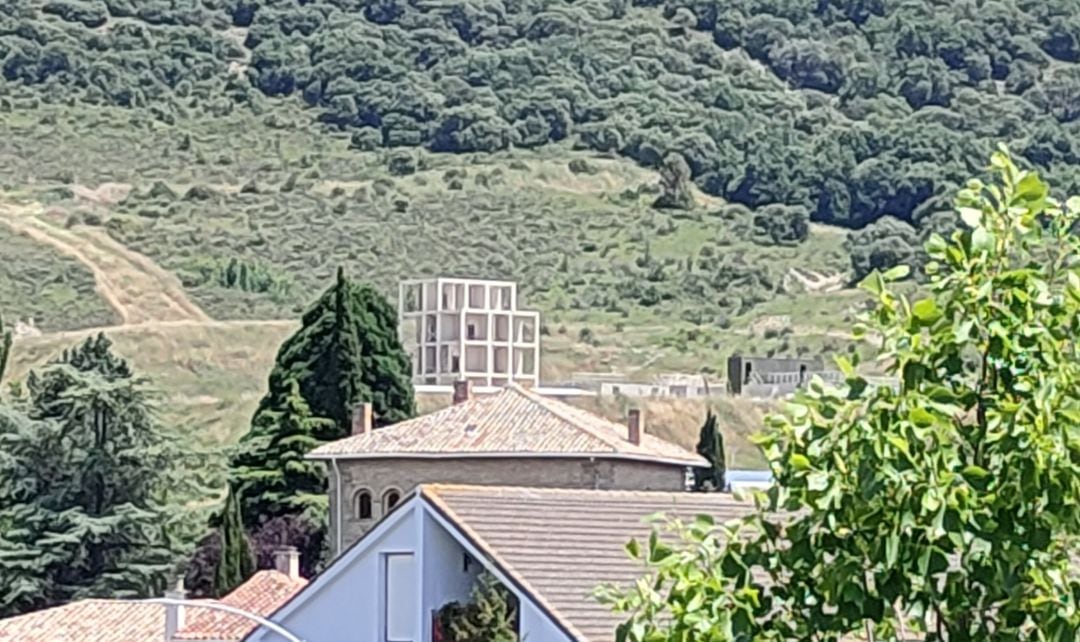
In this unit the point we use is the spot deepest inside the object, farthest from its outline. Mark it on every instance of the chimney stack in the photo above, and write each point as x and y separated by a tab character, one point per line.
287	561
361	421
462	391
633	425
174	613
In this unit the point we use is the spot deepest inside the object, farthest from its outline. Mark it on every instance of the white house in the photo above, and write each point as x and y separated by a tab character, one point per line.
550	547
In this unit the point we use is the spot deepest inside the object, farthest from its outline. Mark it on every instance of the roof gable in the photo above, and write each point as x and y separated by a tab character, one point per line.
512	422
558	545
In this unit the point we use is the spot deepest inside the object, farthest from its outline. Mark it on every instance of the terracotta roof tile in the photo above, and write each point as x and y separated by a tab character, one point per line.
88	621
513	421
261	594
127	621
560	544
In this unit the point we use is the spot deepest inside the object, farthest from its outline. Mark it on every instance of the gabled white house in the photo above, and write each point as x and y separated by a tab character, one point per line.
550	547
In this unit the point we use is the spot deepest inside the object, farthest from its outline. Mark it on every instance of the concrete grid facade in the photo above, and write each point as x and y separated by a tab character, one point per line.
468	329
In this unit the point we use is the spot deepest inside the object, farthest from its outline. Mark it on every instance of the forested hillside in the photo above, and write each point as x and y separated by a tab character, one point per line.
891	100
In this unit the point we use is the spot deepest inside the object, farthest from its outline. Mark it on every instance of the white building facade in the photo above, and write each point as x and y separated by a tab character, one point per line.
469	329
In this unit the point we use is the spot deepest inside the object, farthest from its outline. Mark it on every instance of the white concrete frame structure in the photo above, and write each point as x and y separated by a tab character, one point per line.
468	329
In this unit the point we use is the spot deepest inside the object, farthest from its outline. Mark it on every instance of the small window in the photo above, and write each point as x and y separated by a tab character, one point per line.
363	505
390	499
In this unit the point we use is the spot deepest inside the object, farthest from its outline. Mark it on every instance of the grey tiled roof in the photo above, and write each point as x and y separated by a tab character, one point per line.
560	544
512	422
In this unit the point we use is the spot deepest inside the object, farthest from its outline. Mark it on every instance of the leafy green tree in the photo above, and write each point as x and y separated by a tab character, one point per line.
781	225
236	562
711	446
941	510
881	245
93	490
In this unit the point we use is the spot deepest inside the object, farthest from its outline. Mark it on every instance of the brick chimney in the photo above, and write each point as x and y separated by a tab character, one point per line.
361	419
174	613
462	391
287	561
634	426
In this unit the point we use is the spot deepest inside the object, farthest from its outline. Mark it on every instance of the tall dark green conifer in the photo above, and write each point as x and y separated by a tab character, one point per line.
346	352
711	447
236	563
5	347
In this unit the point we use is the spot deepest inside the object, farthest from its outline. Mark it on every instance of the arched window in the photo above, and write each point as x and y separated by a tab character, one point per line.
363	504
390	499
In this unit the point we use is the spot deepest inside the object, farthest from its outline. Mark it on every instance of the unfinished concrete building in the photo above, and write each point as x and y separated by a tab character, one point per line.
468	329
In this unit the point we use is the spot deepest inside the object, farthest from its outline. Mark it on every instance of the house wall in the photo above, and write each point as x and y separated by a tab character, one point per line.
380	475
345	603
348	608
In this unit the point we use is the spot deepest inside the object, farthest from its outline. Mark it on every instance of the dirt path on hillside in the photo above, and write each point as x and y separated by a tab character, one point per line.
137	288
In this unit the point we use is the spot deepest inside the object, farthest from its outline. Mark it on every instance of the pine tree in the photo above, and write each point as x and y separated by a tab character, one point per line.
346	352
5	347
711	447
236	563
91	495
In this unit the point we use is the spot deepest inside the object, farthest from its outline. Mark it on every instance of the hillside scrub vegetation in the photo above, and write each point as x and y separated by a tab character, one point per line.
890	99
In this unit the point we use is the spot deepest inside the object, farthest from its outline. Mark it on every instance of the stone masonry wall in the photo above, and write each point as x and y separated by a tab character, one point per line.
382	476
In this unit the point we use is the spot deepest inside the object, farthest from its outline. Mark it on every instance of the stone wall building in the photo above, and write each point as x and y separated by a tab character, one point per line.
512	438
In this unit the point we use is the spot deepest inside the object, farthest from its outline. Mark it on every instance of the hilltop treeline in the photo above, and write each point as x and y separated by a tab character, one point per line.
891	100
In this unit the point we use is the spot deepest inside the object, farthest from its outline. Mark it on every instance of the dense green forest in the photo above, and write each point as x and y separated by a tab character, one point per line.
893	101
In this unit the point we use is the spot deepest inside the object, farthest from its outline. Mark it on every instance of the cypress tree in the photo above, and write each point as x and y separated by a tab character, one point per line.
5	347
236	563
711	446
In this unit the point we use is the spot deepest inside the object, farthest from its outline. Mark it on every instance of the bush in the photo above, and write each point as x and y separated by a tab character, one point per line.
401	164
781	225
581	166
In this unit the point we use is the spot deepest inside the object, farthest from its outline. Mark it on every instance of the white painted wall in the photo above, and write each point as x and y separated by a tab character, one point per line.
345	603
348	608
537	627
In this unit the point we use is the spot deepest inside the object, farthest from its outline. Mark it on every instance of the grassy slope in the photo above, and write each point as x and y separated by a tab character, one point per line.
572	238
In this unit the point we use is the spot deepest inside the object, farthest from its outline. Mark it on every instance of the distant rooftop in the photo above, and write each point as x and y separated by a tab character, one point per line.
512	422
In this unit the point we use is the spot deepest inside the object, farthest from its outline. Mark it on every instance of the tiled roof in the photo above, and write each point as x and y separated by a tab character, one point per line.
126	621
560	544
513	421
88	621
262	594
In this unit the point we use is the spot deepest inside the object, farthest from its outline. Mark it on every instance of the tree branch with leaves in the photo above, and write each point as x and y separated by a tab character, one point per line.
942	509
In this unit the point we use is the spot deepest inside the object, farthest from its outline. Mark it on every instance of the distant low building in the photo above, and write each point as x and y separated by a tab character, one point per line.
766	377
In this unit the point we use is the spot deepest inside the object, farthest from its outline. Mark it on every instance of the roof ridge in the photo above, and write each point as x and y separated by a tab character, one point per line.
435	488
546	404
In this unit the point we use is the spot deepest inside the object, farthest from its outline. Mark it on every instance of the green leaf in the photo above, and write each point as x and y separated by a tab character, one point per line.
897	272
971	216
799	462
926	311
633	548
976	472
921	417
982	240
